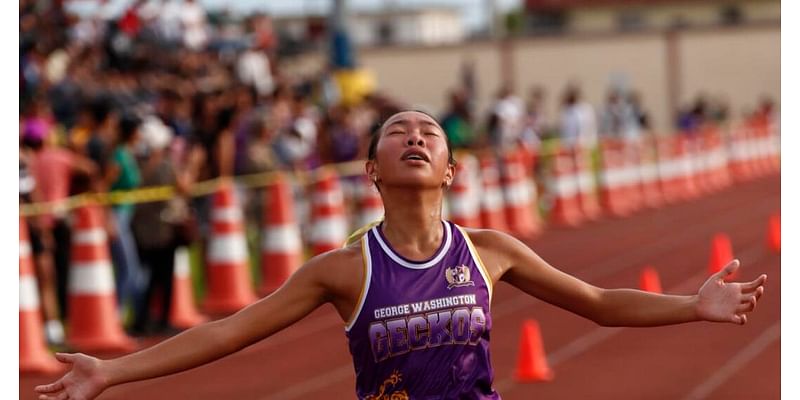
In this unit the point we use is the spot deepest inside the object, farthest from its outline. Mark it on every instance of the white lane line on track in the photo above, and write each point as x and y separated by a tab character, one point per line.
736	363
600	334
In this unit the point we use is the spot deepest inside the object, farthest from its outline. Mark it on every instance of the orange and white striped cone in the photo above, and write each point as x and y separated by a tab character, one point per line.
329	228
492	205
613	196
717	160
522	212
94	322
33	354
563	184
463	203
281	247
182	311
687	183
699	155
586	185
370	205
774	148
229	286
739	155
667	170
648	173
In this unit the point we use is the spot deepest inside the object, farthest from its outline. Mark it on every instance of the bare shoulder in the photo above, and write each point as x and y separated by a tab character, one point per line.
490	240
498	250
340	271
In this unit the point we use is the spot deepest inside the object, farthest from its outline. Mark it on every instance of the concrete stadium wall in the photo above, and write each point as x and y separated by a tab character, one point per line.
737	64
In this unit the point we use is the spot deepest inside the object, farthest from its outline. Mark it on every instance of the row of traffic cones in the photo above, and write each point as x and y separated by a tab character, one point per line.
532	365
95	323
487	195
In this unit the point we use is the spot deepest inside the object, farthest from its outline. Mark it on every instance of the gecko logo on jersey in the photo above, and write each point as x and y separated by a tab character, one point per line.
458	277
398	336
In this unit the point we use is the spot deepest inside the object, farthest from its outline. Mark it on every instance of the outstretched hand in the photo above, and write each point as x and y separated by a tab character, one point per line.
83	382
720	301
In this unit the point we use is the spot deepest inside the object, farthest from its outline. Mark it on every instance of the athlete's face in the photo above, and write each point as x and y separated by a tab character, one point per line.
412	151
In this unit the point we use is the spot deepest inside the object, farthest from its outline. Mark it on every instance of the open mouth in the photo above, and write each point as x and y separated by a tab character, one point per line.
415	155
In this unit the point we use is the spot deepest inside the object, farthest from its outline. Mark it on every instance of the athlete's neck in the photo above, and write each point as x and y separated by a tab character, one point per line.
412	222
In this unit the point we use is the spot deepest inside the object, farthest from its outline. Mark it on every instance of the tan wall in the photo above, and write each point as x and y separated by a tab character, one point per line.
639	61
739	65
423	76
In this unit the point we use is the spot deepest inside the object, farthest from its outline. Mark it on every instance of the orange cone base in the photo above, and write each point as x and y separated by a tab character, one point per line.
94	324
531	361
276	268
33	354
229	289
183	314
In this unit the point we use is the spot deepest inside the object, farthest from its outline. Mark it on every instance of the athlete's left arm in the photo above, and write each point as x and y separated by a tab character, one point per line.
512	261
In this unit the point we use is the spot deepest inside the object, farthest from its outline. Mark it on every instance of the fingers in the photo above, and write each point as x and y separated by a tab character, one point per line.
739	319
728	269
53	387
747	306
61	396
755	284
65	357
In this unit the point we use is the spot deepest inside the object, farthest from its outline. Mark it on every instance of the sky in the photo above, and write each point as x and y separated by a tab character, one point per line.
474	11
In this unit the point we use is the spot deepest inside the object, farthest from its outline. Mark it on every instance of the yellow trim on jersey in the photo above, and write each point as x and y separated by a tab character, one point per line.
364	282
487	277
359	233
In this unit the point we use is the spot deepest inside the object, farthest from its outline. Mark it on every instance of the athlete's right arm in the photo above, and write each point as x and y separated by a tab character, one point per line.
308	288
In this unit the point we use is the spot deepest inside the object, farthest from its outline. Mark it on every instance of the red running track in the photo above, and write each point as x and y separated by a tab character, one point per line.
691	361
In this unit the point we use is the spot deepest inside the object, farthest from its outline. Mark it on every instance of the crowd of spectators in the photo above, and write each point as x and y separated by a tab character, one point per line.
162	95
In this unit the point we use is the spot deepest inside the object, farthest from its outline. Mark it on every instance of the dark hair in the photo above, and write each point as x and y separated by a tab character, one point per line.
128	126
376	135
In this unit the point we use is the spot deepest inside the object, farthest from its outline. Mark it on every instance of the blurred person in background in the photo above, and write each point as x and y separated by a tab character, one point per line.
691	119
50	169
642	116
766	112
619	119
457	121
123	174
505	119
578	120
535	124
157	228
194	25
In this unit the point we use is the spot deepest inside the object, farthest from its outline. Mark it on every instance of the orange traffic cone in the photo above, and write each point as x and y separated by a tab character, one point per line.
94	322
281	247
721	254
613	179
649	280
491	198
522	213
370	205
774	233
462	203
33	354
182	312
531	363
566	209
329	228
590	206
228	280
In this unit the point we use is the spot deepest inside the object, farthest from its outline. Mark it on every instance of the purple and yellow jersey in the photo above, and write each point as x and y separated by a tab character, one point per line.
420	330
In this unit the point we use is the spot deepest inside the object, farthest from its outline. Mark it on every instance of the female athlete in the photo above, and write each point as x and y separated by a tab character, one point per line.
414	292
